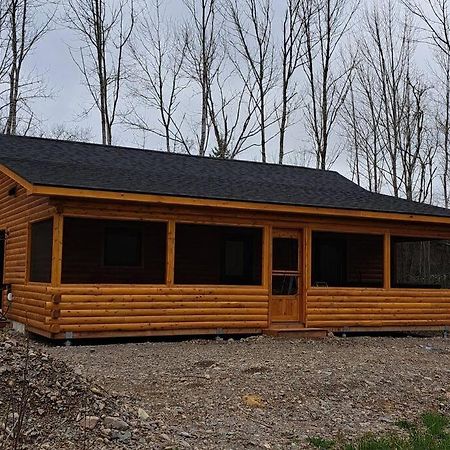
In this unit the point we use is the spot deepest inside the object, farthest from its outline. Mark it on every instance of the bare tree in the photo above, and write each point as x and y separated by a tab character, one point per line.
328	82
360	120
251	23
67	133
387	114
416	154
442	97
23	23
4	46
104	29
389	57
203	56
434	16
4	58
297	18
157	82
434	20
232	117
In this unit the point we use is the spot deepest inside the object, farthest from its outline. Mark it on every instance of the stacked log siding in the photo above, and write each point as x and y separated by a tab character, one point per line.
17	211
341	308
144	309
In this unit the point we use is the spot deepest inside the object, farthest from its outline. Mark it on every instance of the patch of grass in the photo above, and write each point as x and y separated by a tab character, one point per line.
436	425
431	433
322	444
371	442
406	425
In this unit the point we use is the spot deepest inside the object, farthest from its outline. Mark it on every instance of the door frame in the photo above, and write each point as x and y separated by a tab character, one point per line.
299	234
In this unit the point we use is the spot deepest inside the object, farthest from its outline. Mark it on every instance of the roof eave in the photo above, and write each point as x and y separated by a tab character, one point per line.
17	178
53	191
59	191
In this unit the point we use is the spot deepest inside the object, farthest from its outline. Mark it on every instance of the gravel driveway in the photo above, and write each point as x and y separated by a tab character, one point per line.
264	392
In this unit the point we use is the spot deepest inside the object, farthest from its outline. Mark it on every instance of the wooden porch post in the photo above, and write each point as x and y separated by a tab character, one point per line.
267	256
387	261
267	269
306	272
170	256
57	248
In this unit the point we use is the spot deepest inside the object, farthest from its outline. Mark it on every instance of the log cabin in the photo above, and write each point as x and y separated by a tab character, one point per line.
115	242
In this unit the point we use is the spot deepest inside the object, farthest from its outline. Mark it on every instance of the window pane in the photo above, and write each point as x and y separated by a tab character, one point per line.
347	260
420	263
41	251
214	254
123	246
284	285
285	254
114	252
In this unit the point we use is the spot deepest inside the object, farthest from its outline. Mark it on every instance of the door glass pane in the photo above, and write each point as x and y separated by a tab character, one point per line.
285	254
284	285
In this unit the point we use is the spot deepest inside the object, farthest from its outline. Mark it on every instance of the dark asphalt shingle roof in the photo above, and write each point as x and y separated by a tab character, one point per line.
91	166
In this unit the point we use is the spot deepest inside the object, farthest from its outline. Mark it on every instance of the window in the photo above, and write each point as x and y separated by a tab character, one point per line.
41	251
347	260
114	252
420	263
214	254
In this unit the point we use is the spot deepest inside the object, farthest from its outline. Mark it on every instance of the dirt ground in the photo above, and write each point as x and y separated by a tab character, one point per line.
272	393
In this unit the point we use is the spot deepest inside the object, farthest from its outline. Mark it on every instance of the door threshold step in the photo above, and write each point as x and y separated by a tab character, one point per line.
291	331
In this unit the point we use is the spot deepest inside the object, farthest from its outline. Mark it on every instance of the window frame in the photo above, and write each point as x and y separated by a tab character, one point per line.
348	230
261	227
170	247
419	236
28	247
164	220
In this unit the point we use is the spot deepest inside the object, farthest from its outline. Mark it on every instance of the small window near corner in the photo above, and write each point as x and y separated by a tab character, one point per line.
41	251
123	247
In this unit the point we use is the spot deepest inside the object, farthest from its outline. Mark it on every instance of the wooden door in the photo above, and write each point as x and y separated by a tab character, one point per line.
286	276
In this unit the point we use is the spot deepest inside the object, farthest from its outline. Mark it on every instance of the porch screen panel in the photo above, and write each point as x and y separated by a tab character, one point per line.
41	251
347	260
113	252
420	263
218	255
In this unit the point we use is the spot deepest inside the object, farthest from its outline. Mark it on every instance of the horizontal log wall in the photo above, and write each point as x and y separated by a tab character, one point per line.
131	308
16	212
341	308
